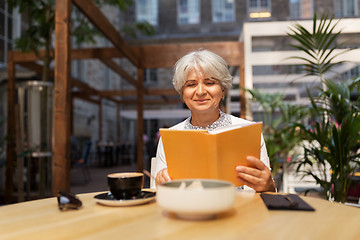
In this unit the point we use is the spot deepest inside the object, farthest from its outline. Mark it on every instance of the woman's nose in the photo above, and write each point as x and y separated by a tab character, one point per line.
201	90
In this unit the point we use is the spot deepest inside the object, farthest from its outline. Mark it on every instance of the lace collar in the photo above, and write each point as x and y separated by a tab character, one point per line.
222	121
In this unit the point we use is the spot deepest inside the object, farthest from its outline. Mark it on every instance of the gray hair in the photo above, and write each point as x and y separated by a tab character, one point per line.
210	63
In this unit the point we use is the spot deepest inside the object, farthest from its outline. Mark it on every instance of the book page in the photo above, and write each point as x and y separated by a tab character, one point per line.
230	127
233	148
188	153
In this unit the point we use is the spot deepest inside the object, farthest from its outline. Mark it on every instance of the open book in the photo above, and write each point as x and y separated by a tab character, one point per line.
214	154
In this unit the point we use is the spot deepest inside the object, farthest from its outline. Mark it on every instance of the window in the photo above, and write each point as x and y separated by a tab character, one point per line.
258	9
147	10
223	10
188	12
6	32
301	9
346	8
150	76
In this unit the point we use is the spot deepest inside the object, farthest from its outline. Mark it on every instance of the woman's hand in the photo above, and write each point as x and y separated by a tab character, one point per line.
257	177
162	176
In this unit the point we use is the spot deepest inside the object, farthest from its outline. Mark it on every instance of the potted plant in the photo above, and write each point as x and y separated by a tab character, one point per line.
333	136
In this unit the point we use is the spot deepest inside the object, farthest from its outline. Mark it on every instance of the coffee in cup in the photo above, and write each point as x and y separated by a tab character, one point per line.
125	185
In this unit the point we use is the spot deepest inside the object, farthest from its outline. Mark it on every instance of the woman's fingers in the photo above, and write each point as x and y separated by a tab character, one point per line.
258	176
162	176
255	162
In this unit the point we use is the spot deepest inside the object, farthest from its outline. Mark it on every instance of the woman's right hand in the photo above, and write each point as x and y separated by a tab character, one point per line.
162	176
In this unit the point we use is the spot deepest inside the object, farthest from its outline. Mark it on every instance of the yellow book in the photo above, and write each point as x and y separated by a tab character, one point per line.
212	155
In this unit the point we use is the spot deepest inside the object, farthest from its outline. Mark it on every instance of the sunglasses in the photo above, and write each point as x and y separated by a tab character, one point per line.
68	201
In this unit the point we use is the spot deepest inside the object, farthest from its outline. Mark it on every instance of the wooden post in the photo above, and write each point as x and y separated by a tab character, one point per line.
10	150
140	120
62	98
242	83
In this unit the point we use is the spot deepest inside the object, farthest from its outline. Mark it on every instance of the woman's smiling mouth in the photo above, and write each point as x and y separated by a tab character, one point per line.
201	100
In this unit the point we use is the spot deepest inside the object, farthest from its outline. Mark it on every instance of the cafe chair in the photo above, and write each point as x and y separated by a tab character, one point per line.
84	164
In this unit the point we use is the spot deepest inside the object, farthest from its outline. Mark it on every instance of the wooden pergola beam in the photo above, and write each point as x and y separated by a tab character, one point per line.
95	53
130	93
76	54
152	101
85	97
119	70
74	82
84	87
166	55
96	17
153	56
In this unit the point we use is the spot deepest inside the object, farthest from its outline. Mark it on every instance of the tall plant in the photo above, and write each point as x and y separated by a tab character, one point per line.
334	138
318	45
334	135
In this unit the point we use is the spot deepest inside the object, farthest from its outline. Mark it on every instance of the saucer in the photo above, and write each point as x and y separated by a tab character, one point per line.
109	200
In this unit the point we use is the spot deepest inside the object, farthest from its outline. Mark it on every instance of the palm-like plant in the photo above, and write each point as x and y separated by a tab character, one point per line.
334	136
319	45
279	136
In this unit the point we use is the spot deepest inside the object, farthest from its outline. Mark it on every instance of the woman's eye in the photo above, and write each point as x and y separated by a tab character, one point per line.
210	83
190	85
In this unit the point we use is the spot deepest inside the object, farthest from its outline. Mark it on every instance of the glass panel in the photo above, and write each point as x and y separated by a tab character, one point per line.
345	8
2	24
10	29
301	9
258	9
147	10
188	12
223	10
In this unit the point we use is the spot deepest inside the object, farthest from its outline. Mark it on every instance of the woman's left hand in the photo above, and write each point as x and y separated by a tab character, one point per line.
257	177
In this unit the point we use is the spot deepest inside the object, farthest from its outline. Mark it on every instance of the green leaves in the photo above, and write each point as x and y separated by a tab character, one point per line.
334	132
334	136
279	135
319	45
132	30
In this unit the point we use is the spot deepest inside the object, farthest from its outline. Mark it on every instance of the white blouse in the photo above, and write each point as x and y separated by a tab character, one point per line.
224	120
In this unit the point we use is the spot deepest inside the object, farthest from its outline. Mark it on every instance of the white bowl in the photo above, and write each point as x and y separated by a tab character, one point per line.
196	202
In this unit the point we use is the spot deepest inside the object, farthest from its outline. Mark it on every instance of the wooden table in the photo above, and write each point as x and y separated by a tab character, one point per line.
249	219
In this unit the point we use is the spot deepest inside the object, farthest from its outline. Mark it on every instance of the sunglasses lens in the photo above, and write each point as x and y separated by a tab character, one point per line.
68	201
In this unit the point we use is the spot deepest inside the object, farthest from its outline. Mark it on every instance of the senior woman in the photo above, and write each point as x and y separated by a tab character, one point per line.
202	79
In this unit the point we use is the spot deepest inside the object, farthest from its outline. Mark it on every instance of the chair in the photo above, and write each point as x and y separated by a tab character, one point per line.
153	169
84	164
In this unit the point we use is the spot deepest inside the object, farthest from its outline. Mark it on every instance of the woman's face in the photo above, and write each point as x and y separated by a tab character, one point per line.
202	93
